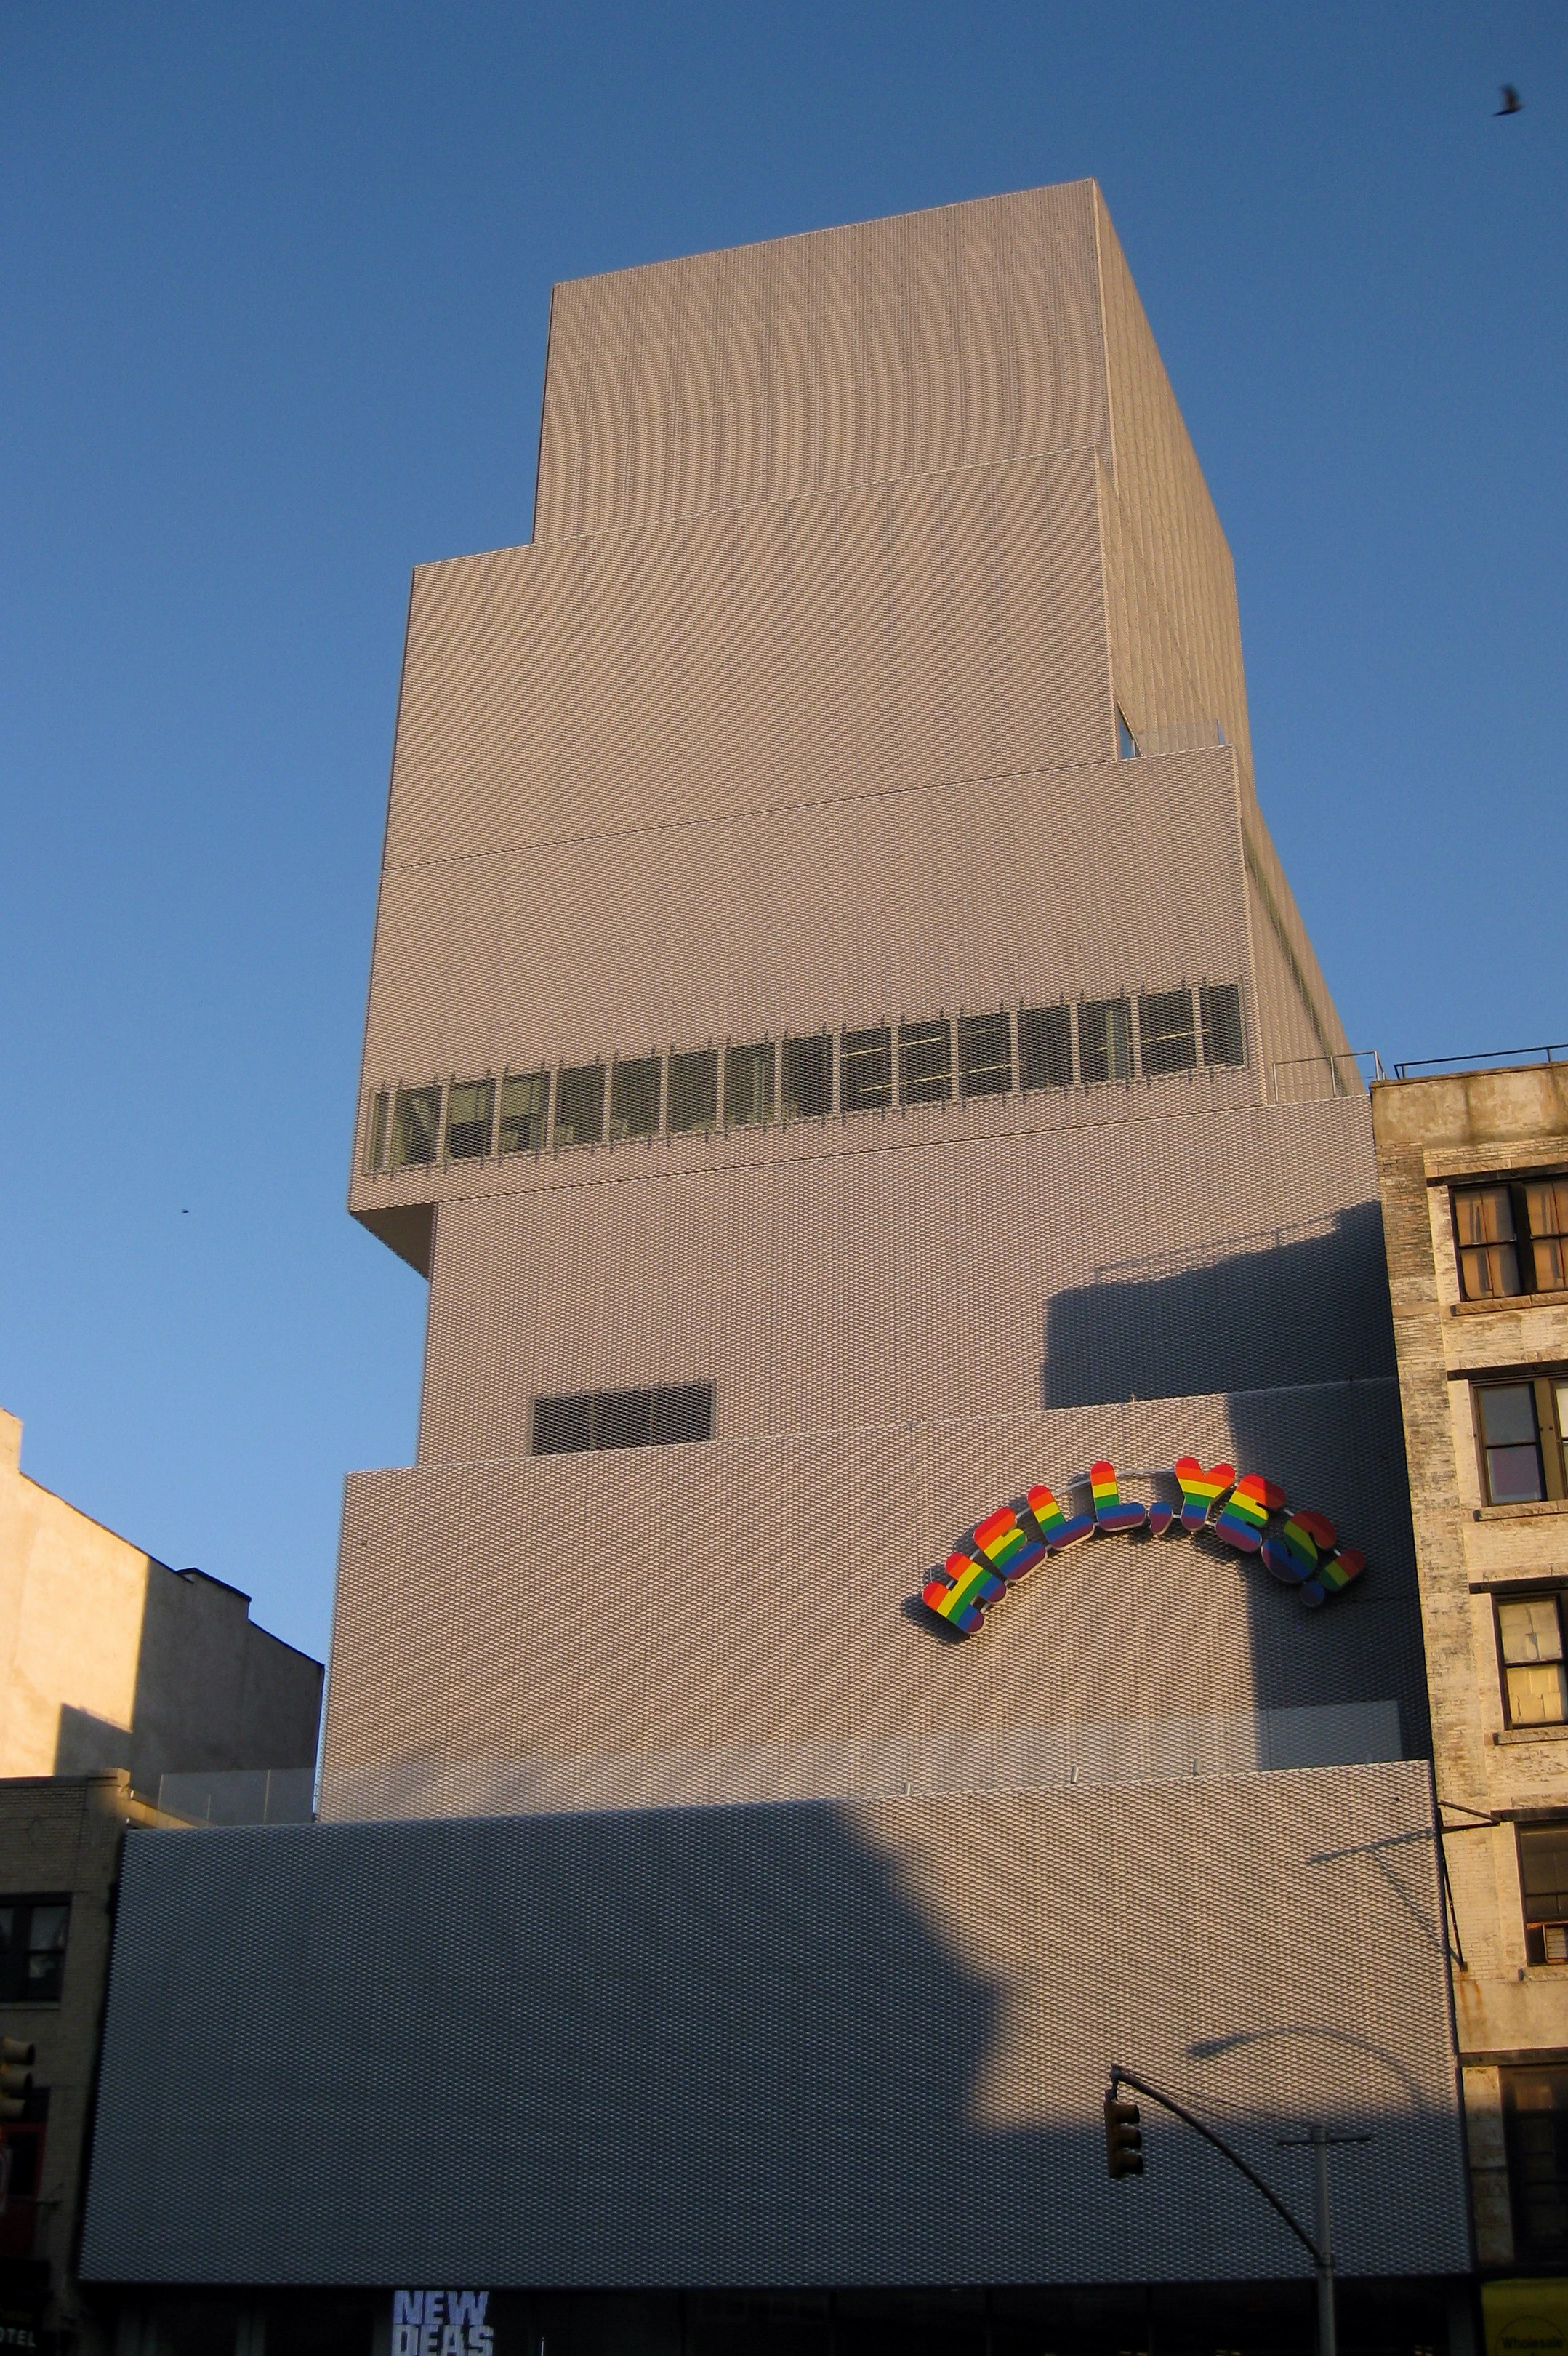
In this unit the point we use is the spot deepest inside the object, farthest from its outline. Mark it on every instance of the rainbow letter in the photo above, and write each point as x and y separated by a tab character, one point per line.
1293	1554
1006	1546
961	1597
1245	1519
1200	1489
1338	1572
1110	1514
1054	1526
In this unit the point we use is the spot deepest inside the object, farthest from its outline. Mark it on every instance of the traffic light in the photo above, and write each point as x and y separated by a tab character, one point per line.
1124	2143
16	2059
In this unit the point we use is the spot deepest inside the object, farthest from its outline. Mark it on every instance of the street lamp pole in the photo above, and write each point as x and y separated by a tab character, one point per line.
1319	2246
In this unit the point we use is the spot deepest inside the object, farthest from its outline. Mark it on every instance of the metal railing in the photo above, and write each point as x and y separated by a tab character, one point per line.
1503	1056
1307	1079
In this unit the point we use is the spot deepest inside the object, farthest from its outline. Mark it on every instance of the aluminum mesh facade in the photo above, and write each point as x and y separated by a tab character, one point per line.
775	1938
777	2045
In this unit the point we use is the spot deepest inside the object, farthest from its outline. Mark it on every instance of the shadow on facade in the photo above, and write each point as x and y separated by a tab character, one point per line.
1277	1309
210	1690
1283	1330
712	2045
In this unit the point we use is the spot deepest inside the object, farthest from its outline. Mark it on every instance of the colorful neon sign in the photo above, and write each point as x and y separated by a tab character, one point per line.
1301	1548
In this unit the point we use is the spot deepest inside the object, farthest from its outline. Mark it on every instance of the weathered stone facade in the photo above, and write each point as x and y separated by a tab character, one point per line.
1493	1778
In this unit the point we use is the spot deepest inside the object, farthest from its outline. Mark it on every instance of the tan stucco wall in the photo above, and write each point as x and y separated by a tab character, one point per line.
109	1659
1430	1133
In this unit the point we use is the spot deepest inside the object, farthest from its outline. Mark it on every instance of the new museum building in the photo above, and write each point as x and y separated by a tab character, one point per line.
905	1599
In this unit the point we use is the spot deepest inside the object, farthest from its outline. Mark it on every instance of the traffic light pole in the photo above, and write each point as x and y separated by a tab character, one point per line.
1320	2251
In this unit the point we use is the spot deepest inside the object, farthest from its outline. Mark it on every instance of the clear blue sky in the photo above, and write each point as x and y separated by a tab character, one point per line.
275	282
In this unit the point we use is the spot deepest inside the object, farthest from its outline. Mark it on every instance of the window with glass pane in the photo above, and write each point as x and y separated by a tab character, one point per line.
470	1112
668	1416
1105	1039
416	1125
1219	1011
579	1105
682	1413
693	1091
866	1069
1511	1443
749	1085
926	1063
1530	1637
985	1054
1045	1047
32	1949
1167	1040
376	1131
1488	1254
563	1426
807	1092
1535	2117
635	1097
622	1419
1544	1884
1546	1218
524	1106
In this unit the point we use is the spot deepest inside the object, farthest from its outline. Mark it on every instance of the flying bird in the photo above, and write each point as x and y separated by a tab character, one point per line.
1511	100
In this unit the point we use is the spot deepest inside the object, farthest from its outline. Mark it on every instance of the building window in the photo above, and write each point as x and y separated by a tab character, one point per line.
470	1110
1166	1041
579	1105
985	1055
809	1078
1544	1884
1512	1238
1520	1426
866	1070
749	1085
926	1063
1127	743
32	1949
1530	1638
1220	1011
376	1131
1045	1047
416	1125
525	1108
676	1415
634	1098
1535	2119
693	1091
1546	1222
1104	1040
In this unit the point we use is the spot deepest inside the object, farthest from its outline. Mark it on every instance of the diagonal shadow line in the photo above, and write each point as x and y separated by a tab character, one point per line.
1368	1849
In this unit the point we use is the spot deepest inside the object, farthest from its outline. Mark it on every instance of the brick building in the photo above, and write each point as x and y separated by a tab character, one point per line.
1473	1168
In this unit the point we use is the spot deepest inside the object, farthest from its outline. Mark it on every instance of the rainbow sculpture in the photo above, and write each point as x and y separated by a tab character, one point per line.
1200	1489
1335	1571
1293	1553
1055	1527
1302	1549
1001	1540
1244	1517
1110	1514
961	1597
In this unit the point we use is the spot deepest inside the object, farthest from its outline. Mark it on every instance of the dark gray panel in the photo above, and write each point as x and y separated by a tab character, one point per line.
775	2045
